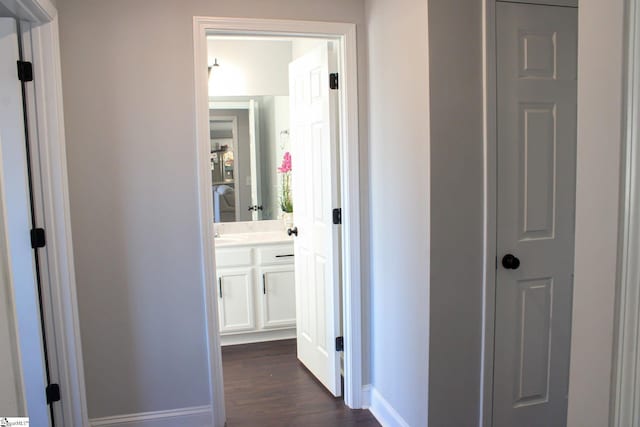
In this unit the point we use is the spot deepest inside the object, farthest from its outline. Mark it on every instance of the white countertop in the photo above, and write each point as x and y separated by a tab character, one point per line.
252	239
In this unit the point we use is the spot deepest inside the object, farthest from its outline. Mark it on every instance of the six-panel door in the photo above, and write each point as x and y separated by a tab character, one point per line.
537	96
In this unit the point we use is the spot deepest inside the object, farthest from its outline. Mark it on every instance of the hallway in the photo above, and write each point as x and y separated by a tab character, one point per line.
265	385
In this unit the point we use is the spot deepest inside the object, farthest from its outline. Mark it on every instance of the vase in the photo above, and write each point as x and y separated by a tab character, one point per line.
287	219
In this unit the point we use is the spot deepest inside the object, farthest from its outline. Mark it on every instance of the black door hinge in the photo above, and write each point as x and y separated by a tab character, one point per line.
340	344
37	238
53	393
337	216
25	71
333	81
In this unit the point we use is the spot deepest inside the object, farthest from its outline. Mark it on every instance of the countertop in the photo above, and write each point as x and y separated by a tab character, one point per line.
252	239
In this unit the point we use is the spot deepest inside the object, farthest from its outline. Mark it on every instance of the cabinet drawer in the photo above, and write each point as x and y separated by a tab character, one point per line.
281	254
239	257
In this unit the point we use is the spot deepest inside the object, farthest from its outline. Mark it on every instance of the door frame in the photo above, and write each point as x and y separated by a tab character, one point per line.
625	388
490	199
345	35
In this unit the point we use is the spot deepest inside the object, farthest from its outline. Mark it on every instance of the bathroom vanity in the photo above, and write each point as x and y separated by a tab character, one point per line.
256	287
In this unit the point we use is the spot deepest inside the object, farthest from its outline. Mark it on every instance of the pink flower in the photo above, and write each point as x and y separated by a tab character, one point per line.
286	163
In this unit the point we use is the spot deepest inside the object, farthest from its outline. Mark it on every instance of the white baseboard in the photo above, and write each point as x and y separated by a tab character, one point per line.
199	416
254	337
383	411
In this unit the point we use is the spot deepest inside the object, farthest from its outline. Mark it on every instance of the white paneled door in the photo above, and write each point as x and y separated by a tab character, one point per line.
536	82
16	205
315	174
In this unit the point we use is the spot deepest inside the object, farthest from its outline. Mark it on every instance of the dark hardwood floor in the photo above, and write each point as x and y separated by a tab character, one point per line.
266	386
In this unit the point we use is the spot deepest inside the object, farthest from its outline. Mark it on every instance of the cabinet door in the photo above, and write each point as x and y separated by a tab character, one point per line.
277	288
235	300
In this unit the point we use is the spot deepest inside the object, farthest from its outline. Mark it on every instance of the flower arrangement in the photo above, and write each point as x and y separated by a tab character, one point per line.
286	202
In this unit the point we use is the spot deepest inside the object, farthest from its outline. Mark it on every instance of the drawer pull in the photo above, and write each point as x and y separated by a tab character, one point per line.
220	286
284	256
264	284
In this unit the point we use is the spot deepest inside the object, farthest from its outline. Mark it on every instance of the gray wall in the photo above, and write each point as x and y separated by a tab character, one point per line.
128	86
399	209
456	103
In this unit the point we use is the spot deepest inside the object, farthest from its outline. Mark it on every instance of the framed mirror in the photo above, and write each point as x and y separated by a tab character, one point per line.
249	138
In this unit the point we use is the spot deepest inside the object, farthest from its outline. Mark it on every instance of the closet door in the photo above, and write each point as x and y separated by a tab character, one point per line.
537	96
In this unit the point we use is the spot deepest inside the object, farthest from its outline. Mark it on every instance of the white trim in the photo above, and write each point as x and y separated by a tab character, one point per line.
366	396
197	416
37	11
228	105
52	175
490	186
384	412
254	337
625	389
216	384
345	34
561	3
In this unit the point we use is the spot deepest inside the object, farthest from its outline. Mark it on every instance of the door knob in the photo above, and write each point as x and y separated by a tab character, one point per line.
510	262
292	231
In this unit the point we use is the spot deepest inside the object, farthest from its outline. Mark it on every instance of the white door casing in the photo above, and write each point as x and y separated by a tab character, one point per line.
314	185
536	115
18	221
344	35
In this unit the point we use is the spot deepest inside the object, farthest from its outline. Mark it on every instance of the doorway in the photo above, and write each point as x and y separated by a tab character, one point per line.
536	98
275	185
250	298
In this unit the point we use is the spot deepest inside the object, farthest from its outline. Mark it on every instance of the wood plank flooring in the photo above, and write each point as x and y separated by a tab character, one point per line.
265	385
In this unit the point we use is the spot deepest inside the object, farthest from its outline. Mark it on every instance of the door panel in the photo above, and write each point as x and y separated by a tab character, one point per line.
537	88
315	194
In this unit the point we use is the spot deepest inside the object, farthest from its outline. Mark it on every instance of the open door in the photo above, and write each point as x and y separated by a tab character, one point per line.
23	276
315	194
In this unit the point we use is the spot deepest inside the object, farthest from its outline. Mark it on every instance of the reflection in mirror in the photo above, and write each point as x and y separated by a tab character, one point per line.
224	141
249	139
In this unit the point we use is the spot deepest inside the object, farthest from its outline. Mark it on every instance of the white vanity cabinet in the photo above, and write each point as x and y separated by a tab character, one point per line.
235	295
256	293
278	302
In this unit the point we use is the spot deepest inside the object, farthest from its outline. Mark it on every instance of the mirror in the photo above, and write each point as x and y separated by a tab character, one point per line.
249	139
